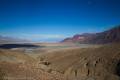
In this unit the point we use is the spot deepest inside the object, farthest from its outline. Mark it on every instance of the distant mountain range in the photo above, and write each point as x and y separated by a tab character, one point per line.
108	36
6	40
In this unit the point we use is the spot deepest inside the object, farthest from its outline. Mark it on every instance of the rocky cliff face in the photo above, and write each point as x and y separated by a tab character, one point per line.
109	36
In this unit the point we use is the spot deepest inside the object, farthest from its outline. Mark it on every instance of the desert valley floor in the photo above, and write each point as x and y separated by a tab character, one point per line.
60	61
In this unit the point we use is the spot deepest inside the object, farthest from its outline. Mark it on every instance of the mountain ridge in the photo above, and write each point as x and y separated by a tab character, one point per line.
108	36
6	40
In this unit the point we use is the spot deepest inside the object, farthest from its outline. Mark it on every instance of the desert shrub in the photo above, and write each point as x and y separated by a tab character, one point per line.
2	75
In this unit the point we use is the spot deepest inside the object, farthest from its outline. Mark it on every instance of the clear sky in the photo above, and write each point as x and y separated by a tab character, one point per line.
52	20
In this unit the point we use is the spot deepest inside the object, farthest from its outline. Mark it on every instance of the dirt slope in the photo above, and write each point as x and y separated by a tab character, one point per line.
88	63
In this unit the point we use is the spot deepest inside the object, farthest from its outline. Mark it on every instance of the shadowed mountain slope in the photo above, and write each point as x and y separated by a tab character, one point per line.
10	46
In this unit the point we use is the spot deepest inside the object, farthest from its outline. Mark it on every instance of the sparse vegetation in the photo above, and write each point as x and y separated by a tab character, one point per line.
2	75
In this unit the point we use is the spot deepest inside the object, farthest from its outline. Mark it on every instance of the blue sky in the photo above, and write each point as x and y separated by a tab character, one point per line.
53	20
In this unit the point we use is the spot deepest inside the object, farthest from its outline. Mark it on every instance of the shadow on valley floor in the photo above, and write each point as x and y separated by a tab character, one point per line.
10	46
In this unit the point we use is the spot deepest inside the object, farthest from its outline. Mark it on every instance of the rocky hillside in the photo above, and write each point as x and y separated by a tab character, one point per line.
109	36
102	63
